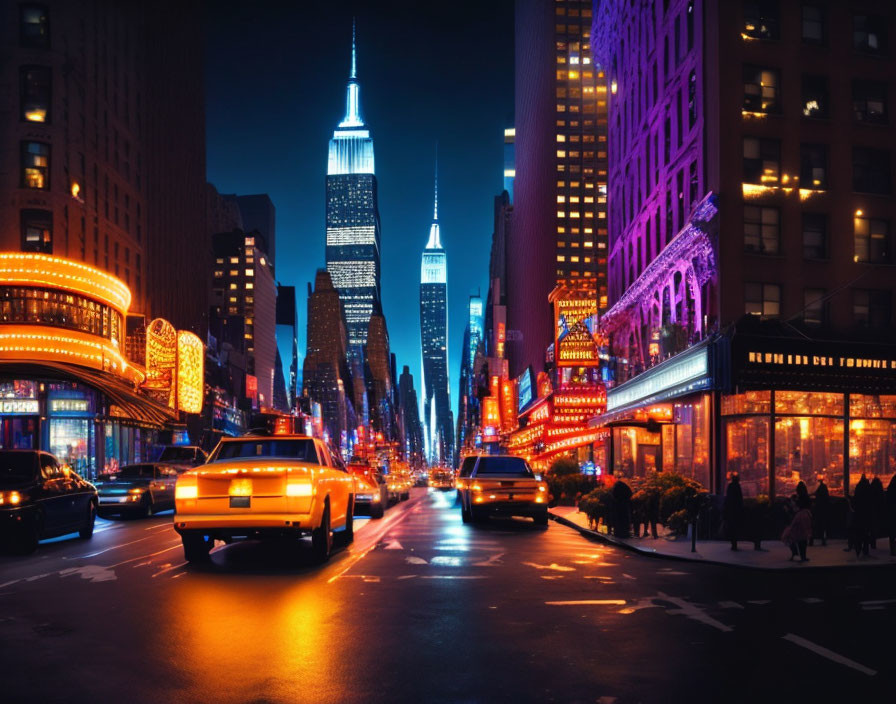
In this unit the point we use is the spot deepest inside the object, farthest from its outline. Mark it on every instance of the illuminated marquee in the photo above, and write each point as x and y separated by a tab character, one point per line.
810	360
575	328
190	372
161	359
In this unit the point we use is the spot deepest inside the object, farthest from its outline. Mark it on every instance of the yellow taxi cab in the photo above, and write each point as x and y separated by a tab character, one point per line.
265	487
500	485
399	481
441	478
371	493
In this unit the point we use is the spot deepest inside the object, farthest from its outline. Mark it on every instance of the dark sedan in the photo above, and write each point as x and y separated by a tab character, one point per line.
141	489
41	499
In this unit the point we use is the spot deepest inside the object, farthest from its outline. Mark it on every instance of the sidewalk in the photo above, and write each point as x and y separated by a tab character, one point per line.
773	556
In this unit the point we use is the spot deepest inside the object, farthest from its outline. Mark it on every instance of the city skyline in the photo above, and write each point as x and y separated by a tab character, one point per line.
286	161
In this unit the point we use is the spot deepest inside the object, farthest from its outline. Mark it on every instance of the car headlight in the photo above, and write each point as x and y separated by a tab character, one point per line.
137	490
476	487
186	491
12	498
364	497
301	488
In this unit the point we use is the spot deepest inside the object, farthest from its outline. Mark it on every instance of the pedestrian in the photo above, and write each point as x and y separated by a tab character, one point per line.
802	492
850	523
891	514
653	513
878	511
797	534
821	513
622	496
733	509
861	520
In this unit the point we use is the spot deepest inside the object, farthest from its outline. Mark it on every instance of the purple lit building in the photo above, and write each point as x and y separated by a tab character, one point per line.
751	215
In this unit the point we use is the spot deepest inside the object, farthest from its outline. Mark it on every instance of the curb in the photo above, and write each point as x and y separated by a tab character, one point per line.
610	540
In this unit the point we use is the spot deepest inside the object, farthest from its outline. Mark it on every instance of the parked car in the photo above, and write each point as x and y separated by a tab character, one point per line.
501	485
265	488
372	495
182	456
39	498
142	489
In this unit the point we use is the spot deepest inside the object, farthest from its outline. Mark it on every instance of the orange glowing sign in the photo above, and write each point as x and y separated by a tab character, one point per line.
542	412
574	343
190	382
491	415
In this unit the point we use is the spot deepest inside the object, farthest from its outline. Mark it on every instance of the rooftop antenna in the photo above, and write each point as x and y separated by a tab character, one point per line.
354	75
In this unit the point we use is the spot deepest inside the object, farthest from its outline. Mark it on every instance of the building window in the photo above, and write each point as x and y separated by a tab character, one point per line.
869	34
869	101
815	237
870	170
35	93
872	240
762	229
762	161
34	26
37	231
692	99
36	165
813	166
61	309
871	308
814	308
813	24
763	300
815	96
761	19
761	87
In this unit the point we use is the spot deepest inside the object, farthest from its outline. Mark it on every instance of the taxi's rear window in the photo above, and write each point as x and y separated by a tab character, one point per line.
299	450
503	466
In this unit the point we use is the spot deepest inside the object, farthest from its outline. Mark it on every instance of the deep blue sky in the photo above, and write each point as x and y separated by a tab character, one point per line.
275	80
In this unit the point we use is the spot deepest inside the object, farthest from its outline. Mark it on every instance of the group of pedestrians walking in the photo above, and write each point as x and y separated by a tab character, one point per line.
871	514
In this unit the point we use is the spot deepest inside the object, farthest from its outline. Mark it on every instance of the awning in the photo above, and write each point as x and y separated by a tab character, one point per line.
136	407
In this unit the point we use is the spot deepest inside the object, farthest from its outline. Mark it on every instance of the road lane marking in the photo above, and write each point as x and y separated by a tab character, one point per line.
407	576
589	602
829	654
113	547
730	605
170	568
413	560
451	576
493	561
553	566
692	611
393	545
92	573
877	602
628	576
161	525
143	557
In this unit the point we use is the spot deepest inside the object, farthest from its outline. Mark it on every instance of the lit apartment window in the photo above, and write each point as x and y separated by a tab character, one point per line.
871	308
815	96
815	238
34	26
561	199
250	272
763	300
761	89
36	165
762	229
813	24
761	19
813	166
250	241
814	306
35	93
233	286
234	260
561	258
869	101
870	170
870	34
37	231
218	273
250	285
872	240
762	161
219	261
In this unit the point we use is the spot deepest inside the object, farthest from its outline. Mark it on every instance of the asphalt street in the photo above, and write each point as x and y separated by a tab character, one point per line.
424	608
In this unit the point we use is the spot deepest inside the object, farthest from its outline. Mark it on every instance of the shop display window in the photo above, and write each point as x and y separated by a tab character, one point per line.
70	443
635	452
872	450
808	449
749	402
691	446
746	452
805	403
863	406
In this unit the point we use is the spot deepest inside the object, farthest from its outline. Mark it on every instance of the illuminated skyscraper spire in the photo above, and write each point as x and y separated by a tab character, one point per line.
354	75
353	94
435	240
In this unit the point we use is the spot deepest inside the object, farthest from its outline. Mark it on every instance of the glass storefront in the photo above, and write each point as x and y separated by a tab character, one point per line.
746	447
636	452
872	437
70	442
808	449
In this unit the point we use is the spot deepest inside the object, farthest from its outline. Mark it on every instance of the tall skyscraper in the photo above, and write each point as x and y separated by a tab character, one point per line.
409	413
287	343
437	416
468	402
353	219
559	189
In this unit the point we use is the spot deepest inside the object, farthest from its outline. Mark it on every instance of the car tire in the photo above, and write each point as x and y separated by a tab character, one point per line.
148	509
464	513
378	511
541	519
347	534
476	516
405	496
86	531
322	538
196	547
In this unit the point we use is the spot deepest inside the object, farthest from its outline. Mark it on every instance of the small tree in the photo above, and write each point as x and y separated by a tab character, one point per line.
563	467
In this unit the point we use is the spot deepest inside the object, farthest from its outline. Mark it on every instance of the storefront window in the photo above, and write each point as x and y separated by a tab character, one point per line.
692	440
635	452
802	402
59	309
872	450
861	406
747	452
18	433
808	449
749	402
70	443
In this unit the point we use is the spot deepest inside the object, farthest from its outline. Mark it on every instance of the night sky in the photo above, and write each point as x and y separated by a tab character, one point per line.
276	75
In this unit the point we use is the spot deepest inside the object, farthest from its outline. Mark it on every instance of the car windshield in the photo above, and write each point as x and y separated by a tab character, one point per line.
17	467
504	466
177	454
136	471
301	450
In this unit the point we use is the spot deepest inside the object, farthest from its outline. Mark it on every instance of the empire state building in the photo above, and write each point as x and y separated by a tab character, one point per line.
353	219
